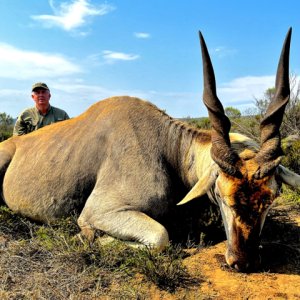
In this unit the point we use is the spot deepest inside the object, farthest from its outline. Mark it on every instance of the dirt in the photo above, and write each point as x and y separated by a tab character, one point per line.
223	283
278	278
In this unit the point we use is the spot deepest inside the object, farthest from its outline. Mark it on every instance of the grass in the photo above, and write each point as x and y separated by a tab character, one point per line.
47	262
289	196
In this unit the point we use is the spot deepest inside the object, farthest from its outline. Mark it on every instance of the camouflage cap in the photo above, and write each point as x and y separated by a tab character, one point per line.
39	85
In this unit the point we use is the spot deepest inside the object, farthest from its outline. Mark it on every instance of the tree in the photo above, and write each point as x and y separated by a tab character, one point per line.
203	123
250	124
232	112
6	126
291	120
6	120
262	104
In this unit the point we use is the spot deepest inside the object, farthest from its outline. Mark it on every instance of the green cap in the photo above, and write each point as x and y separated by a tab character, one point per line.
40	85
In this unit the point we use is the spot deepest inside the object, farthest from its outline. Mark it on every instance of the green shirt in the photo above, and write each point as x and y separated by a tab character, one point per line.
31	119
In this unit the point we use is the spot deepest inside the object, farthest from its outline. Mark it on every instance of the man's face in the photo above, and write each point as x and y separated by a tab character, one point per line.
41	98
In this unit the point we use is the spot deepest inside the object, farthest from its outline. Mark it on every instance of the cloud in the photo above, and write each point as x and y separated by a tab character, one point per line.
111	56
222	51
242	91
248	85
72	15
142	35
22	64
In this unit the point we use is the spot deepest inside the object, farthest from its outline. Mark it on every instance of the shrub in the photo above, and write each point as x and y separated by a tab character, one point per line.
292	155
164	269
289	196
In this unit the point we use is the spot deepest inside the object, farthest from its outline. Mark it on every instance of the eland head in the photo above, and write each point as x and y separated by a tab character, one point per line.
246	183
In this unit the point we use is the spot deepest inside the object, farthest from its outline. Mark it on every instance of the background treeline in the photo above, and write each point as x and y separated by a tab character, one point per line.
6	126
248	123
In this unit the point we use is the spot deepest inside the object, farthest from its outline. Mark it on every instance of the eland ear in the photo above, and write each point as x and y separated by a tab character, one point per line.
202	186
288	177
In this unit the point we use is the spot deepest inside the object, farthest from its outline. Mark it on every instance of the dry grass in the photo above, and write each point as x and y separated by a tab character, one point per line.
47	262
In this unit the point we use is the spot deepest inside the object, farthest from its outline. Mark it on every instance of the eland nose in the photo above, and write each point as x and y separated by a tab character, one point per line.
242	263
240	267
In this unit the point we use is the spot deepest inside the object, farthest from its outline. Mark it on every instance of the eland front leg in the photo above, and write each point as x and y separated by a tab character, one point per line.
131	226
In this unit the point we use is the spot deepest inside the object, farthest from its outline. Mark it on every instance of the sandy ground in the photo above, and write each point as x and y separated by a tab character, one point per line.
279	277
222	283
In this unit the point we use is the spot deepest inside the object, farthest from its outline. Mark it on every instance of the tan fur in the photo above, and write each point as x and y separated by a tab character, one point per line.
122	165
118	159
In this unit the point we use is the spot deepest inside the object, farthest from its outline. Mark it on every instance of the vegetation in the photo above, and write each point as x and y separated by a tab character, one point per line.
248	124
6	126
203	123
49	262
232	113
292	154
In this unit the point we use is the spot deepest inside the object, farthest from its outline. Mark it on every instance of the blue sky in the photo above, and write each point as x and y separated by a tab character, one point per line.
88	50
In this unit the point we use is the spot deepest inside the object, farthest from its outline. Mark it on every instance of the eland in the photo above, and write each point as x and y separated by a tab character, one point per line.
124	163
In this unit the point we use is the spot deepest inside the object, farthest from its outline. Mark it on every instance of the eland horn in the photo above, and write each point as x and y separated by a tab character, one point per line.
221	151
270	153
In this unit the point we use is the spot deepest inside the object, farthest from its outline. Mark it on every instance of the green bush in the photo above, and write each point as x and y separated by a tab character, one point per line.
203	123
292	155
6	126
289	196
